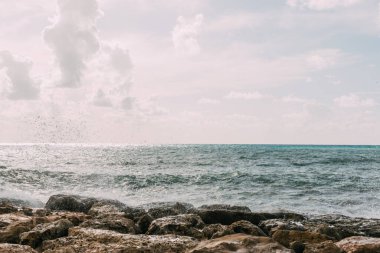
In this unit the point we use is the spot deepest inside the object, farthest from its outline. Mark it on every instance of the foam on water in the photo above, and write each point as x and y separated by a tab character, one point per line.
305	179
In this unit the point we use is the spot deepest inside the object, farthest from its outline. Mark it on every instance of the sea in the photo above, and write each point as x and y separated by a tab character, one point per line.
307	179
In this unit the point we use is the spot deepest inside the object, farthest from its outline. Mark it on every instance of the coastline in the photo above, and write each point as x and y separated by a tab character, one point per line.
72	223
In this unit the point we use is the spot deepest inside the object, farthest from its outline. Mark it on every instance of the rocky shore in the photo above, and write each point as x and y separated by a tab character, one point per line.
71	223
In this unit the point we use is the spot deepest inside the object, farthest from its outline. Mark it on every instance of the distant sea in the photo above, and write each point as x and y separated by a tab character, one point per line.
302	178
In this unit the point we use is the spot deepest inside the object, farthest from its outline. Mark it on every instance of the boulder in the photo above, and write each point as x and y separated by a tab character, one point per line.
13	225
15	248
213	231
359	244
323	247
96	240
76	203
286	237
225	207
7	207
227	217
45	231
272	225
116	223
240	243
183	224
246	227
162	209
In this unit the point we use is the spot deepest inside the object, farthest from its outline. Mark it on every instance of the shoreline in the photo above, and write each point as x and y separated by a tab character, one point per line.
72	223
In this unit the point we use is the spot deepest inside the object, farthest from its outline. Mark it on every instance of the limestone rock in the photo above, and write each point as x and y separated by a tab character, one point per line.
15	248
246	227
360	244
116	223
286	237
81	240
213	231
45	231
162	209
323	247
240	243
225	207
183	224
13	225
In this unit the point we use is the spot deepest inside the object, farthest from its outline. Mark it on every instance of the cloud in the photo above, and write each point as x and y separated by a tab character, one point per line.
244	95
324	58
236	21
73	38
101	99
208	101
185	34
21	84
320	5
354	101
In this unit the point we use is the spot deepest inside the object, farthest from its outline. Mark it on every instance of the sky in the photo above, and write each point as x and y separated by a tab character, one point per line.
200	71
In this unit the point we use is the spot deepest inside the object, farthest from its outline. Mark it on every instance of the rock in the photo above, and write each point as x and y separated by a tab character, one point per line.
95	240
143	223
27	211
116	223
15	248
297	247
100	209
22	202
225	207
213	231
246	227
13	225
359	244
285	237
2	167
7	207
227	217
183	224
240	243
272	225
45	231
323	247
162	209
75	203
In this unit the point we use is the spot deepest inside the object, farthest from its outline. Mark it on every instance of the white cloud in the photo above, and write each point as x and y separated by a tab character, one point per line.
101	99
322	4
354	101
324	58
208	101
185	34
17	71
73	38
244	95
241	20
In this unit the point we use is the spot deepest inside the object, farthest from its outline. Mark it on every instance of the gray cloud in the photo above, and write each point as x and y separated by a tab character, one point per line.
22	85
73	38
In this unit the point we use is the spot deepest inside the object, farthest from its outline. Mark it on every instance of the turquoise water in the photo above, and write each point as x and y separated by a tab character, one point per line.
305	179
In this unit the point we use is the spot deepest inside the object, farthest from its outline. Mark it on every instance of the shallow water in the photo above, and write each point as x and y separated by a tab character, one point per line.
306	179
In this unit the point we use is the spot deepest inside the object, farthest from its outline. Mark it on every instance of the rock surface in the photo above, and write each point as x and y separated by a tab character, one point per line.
15	248
240	243
360	244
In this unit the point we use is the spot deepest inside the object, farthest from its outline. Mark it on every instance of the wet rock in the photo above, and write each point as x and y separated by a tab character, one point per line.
227	217
116	223
7	207
76	203
359	244
286	237
22	202
240	243
272	225
45	231
183	224
27	211
323	247
162	209
246	227
95	240
297	247
225	207
98	209
213	231
143	223
15	248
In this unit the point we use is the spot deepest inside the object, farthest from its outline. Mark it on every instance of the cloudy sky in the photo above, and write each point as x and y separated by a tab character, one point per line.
200	71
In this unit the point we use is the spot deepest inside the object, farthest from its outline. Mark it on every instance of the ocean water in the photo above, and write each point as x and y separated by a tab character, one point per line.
305	179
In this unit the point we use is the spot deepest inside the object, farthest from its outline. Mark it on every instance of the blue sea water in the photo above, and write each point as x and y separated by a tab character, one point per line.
301	178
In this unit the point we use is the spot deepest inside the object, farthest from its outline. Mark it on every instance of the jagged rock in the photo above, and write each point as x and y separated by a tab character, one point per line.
183	224
213	231
13	225
240	243
15	248
45	231
272	225
359	244
116	223
225	207
22	202
323	247
98	209
297	247
162	209
7	207
285	237
143	223
227	217
75	203
246	227
82	240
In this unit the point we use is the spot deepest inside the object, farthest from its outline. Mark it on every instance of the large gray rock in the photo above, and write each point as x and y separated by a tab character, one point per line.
76	203
116	223
240	243
81	240
46	231
183	224
162	209
225	207
286	237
